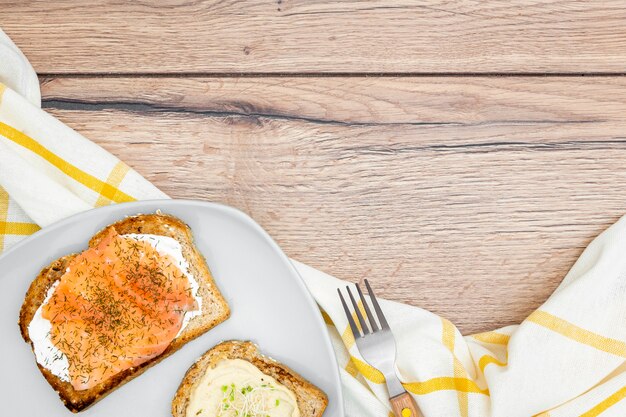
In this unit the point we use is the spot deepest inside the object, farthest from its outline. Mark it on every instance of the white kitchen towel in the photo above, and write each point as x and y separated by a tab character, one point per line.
565	359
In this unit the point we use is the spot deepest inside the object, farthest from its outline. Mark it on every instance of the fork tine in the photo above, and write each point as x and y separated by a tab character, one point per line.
366	330
355	330
381	316
368	312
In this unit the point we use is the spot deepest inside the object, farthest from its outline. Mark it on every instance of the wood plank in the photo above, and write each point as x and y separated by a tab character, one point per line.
321	36
471	197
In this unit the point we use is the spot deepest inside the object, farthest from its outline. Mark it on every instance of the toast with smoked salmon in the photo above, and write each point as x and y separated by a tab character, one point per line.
137	294
311	401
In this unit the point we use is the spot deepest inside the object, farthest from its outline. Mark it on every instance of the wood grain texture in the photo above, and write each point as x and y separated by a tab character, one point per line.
305	36
404	406
471	197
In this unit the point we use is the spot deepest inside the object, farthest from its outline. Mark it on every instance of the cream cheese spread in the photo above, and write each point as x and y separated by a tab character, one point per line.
236	388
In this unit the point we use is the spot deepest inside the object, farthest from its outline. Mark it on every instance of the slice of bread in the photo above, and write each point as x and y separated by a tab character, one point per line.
214	307
311	400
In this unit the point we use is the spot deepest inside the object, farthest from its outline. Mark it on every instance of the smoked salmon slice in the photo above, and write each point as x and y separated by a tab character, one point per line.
118	305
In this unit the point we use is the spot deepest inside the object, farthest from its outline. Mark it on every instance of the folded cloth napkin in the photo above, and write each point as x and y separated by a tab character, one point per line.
565	359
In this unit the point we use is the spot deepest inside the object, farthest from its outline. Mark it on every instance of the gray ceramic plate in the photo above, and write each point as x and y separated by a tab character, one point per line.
269	302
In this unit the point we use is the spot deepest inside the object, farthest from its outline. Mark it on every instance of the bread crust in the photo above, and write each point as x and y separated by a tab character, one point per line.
215	308
311	400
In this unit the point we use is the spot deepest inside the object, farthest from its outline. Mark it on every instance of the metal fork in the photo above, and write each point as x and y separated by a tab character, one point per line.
378	347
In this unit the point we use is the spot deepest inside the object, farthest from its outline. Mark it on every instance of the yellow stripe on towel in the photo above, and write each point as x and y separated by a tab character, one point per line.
2	88
4	213
493	338
462	385
18	228
578	334
327	318
351	368
486	360
447	337
88	180
616	397
369	372
116	177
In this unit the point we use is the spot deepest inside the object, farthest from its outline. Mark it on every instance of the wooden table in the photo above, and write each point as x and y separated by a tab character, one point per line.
459	154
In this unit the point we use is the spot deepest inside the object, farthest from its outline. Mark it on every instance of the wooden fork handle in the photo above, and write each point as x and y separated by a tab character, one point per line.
404	406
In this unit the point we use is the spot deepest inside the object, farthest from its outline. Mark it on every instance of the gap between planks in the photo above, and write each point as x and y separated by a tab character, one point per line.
113	75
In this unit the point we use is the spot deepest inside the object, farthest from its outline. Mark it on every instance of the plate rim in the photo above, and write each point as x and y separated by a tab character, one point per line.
230	211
